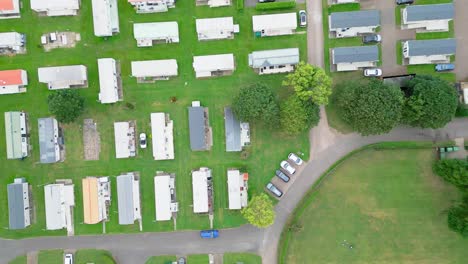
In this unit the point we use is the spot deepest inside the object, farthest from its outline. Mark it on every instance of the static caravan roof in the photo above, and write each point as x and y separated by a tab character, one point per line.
13	77
16	206
432	47
162	198
430	12
9	39
214	24
154	68
58	199
275	21
200	191
162	137
364	18
232	131
90	200
267	58
62	76
122	139
108	84
105	17
15	124
55	5
197	128
9	5
48	139
355	54
156	30
234	193
127	198
208	63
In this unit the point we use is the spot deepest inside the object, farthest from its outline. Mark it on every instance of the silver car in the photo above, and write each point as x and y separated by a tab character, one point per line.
302	18
273	189
287	167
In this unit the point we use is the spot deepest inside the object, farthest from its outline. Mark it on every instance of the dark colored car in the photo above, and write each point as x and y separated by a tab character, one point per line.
212	233
444	67
371	38
274	190
282	176
404	2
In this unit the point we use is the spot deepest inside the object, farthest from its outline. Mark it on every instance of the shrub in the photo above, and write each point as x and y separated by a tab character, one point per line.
275	5
454	171
240	4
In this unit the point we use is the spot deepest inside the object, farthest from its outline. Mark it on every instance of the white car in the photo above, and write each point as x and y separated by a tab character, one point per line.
143	141
294	158
68	259
375	72
287	167
302	18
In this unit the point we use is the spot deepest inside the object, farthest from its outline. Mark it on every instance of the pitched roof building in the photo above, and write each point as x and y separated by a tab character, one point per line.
353	23
13	81
200	130
429	51
9	9
56	7
202	194
12	41
19	207
274	61
64	77
213	3
50	140
274	25
96	199
428	17
152	70
125	139
128	196
237	189
110	86
147	34
59	203
17	135
237	133
105	18
213	65
162	136
152	6
164	195
355	58
216	28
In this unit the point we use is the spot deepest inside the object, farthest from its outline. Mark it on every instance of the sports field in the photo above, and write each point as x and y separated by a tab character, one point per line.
379	206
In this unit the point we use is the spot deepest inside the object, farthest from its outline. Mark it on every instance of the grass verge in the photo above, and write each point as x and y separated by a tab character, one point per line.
161	260
245	258
86	256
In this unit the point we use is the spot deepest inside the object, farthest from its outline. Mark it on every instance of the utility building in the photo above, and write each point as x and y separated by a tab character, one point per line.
19	207
64	77
274	25
274	61
128	196
147	34
165	196
110	84
51	142
59	203
17	135
56	7
216	28
13	81
237	189
96	199
105	18
162	135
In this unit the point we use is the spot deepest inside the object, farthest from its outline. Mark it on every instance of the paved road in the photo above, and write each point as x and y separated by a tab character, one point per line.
461	33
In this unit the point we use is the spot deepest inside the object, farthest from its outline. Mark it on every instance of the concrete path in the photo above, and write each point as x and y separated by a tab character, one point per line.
461	34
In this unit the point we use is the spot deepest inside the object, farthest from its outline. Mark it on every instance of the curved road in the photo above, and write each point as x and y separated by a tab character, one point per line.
327	147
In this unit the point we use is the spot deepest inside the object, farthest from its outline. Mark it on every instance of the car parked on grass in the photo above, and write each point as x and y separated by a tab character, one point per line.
404	2
302	18
143	143
68	259
444	67
294	158
371	38
273	189
282	176
374	72
287	167
211	233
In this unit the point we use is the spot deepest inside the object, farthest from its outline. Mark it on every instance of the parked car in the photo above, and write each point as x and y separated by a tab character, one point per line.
287	167
302	18
375	72
181	261
404	2
282	176
68	259
143	144
444	67
294	158
211	233
266	1
371	38
273	189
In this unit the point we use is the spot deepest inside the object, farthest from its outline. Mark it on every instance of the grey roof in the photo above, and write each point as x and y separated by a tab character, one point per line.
232	131
125	199
197	128
365	18
47	140
15	206
430	12
266	58
355	54
431	47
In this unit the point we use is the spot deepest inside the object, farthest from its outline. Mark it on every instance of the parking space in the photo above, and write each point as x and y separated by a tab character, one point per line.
284	186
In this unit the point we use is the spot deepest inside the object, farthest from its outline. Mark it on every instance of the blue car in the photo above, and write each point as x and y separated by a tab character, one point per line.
212	233
445	67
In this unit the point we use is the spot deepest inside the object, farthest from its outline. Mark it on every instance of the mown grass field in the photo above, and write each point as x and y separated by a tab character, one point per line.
161	260
197	259
83	256
392	208
268	148
246	258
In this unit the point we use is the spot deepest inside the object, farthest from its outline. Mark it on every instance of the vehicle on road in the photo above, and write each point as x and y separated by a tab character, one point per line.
287	167
143	144
374	72
371	38
282	176
211	233
444	67
294	158
404	2
68	259
302	18
273	189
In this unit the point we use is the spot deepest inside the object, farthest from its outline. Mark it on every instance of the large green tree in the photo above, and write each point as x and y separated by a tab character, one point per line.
256	103
260	211
66	105
457	218
454	171
370	107
297	115
310	83
431	102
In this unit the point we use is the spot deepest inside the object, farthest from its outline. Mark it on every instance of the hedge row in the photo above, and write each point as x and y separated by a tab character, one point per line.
275	5
240	4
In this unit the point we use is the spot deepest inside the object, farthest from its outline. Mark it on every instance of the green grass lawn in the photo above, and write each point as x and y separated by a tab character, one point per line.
86	256
268	147
438	35
429	69
344	7
161	260
197	259
19	260
429	2
246	258
391	208
50	256
399	52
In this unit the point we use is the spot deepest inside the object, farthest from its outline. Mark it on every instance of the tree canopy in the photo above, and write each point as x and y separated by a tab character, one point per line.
260	211
457	218
66	105
454	171
256	103
297	116
310	83
432	102
370	107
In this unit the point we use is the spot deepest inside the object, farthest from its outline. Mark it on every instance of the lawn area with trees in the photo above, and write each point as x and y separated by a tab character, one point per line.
377	205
